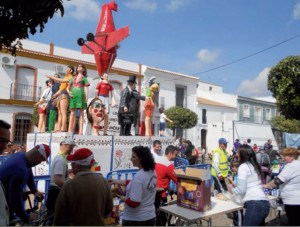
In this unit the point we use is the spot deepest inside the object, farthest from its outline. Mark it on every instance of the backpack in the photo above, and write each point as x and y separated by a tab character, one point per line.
265	160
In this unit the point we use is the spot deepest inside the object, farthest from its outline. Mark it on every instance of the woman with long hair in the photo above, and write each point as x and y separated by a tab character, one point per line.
140	191
190	153
78	89
249	186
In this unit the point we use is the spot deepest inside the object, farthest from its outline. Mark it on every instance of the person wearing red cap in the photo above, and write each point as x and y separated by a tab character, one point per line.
85	200
16	173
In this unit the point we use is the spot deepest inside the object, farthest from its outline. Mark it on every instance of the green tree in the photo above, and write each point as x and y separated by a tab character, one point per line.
285	125
21	17
181	117
284	83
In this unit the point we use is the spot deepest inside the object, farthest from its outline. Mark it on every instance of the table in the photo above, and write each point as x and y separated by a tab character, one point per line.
191	216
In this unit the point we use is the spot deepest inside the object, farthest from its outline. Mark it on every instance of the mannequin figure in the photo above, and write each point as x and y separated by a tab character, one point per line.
95	114
42	106
62	99
149	108
103	90
78	89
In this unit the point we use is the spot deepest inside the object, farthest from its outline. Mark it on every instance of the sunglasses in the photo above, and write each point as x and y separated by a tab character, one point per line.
98	105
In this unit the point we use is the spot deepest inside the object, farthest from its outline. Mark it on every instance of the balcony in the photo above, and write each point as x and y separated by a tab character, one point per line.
25	92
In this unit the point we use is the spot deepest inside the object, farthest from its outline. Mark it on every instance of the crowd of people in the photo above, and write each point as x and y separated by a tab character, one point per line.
249	181
77	193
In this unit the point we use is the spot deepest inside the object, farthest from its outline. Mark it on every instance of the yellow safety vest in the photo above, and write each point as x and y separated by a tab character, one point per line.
223	167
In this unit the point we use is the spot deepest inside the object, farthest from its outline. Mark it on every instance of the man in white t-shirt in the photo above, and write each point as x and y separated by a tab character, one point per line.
59	172
156	150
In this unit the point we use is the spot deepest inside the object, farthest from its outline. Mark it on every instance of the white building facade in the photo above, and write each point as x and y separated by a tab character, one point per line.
216	112
23	80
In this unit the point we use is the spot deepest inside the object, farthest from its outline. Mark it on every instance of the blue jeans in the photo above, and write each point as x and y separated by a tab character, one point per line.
256	212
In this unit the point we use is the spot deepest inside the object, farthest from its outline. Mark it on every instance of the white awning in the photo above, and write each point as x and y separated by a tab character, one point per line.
259	134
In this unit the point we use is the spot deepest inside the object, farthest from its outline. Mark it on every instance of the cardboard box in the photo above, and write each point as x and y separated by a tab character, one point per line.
193	189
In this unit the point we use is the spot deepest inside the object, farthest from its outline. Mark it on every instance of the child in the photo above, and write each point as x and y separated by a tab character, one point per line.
162	121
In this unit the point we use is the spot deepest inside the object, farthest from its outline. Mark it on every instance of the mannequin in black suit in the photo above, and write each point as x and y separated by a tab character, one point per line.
134	107
124	106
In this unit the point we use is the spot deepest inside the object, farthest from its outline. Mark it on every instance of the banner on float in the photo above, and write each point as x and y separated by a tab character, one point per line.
122	150
111	152
124	144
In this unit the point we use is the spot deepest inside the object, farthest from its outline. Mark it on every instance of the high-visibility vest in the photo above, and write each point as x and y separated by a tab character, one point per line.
223	166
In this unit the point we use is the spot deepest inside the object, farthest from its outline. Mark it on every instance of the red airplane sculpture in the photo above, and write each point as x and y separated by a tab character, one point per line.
104	43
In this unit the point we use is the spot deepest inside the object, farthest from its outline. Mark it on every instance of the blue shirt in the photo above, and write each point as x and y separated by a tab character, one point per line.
15	174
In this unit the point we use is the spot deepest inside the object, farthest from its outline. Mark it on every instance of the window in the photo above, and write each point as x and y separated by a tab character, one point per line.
22	126
204	120
181	96
246	110
258	114
24	86
268	114
203	137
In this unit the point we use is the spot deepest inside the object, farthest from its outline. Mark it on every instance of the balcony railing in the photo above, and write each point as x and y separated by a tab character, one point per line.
25	92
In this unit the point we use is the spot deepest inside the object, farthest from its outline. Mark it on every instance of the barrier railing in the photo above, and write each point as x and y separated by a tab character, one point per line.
43	181
180	162
197	166
122	174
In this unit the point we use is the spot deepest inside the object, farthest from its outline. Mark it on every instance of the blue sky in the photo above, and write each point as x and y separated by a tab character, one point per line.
193	36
